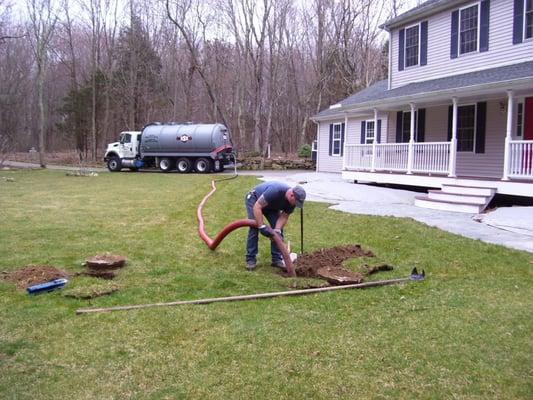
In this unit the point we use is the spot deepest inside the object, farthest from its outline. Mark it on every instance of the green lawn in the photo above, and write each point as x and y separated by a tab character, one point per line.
466	332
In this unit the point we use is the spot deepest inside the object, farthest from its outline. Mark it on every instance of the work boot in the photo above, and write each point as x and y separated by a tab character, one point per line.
279	264
250	265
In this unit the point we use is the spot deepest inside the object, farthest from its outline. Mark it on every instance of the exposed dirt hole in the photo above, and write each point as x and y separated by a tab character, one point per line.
33	275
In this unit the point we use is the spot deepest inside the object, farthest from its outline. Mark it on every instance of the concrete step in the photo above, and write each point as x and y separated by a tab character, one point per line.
459	189
425	202
458	198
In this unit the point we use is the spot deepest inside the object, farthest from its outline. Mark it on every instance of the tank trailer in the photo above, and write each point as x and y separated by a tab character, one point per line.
203	148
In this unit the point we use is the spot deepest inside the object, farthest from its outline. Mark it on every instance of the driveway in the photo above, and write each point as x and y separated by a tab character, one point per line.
507	226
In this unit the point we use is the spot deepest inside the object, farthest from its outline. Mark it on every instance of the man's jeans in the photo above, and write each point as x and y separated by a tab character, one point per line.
253	233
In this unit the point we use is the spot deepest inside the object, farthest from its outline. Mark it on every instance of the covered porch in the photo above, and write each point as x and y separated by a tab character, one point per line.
448	154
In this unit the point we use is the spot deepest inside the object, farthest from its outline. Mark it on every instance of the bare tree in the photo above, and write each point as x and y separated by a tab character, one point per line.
190	25
43	18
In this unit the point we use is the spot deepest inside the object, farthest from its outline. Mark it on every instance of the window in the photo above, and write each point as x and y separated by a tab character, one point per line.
369	132
126	138
406	126
337	135
528	19
412	45
468	29
466	127
520	119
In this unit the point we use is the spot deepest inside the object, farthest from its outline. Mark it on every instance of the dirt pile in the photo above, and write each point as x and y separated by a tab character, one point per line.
327	264
33	275
307	265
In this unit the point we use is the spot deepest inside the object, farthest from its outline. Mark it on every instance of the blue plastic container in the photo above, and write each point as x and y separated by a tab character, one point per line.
47	286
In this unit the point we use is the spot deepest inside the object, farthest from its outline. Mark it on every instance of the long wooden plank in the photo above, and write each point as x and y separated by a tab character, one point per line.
246	297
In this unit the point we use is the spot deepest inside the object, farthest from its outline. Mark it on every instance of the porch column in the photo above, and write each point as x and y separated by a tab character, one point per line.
453	144
344	144
373	168
410	154
508	133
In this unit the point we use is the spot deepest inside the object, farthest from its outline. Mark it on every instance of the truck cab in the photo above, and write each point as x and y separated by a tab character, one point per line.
124	152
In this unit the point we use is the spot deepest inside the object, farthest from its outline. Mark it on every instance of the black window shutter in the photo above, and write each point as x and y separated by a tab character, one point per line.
424	43
401	49
330	139
481	121
454	35
363	132
518	21
421	125
484	26
379	132
342	138
399	124
450	122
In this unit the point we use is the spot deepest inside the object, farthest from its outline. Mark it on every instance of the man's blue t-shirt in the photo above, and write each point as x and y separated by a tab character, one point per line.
274	194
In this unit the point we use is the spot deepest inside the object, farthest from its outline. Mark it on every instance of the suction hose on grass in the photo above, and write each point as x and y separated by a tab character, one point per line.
240	223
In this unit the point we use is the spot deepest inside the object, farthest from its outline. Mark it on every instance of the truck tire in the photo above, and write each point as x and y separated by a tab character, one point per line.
220	166
165	164
114	164
203	165
183	165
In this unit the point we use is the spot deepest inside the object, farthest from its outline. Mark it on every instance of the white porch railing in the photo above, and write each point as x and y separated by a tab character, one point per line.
432	157
521	159
392	156
429	157
358	156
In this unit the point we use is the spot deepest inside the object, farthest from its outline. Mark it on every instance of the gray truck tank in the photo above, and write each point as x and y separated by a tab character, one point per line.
187	139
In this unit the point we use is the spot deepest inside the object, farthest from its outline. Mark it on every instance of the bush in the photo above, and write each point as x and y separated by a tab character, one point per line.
304	151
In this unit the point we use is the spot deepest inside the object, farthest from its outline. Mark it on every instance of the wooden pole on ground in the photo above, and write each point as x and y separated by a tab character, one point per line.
246	297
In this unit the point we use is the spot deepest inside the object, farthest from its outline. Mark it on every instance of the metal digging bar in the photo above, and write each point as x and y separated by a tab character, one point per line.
415	276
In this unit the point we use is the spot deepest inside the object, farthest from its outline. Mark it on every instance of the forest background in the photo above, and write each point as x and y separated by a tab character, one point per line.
75	73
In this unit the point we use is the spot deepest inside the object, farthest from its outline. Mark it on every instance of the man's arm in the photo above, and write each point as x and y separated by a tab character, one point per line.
258	210
282	220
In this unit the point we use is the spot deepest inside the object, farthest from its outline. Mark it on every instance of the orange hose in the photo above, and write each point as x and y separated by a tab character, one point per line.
240	223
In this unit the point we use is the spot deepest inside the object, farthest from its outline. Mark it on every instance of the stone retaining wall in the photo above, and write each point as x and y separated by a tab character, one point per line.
256	163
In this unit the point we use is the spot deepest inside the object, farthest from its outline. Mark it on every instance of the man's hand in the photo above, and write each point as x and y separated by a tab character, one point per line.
266	231
278	231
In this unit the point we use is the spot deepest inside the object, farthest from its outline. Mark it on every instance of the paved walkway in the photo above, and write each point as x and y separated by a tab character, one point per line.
507	226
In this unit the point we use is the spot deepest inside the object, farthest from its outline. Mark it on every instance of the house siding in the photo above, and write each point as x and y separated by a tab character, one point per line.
439	64
327	163
488	164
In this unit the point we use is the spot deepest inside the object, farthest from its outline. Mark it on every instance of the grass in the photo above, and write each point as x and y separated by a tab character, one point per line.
463	333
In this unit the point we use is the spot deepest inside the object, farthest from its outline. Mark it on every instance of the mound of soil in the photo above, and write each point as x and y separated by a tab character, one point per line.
307	265
327	264
33	275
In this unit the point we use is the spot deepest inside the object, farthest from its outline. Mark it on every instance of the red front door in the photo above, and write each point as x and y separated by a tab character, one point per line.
527	155
528	119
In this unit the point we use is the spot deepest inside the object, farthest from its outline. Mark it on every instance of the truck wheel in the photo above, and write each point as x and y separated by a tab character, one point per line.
218	167
165	164
114	164
203	165
183	165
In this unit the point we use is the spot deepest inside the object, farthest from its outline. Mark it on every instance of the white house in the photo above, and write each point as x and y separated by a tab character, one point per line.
456	110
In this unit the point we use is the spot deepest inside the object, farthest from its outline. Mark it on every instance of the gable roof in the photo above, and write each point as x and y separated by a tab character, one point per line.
377	93
423	10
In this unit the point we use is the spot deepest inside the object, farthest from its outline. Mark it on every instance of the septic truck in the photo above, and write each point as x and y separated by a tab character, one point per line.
183	147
